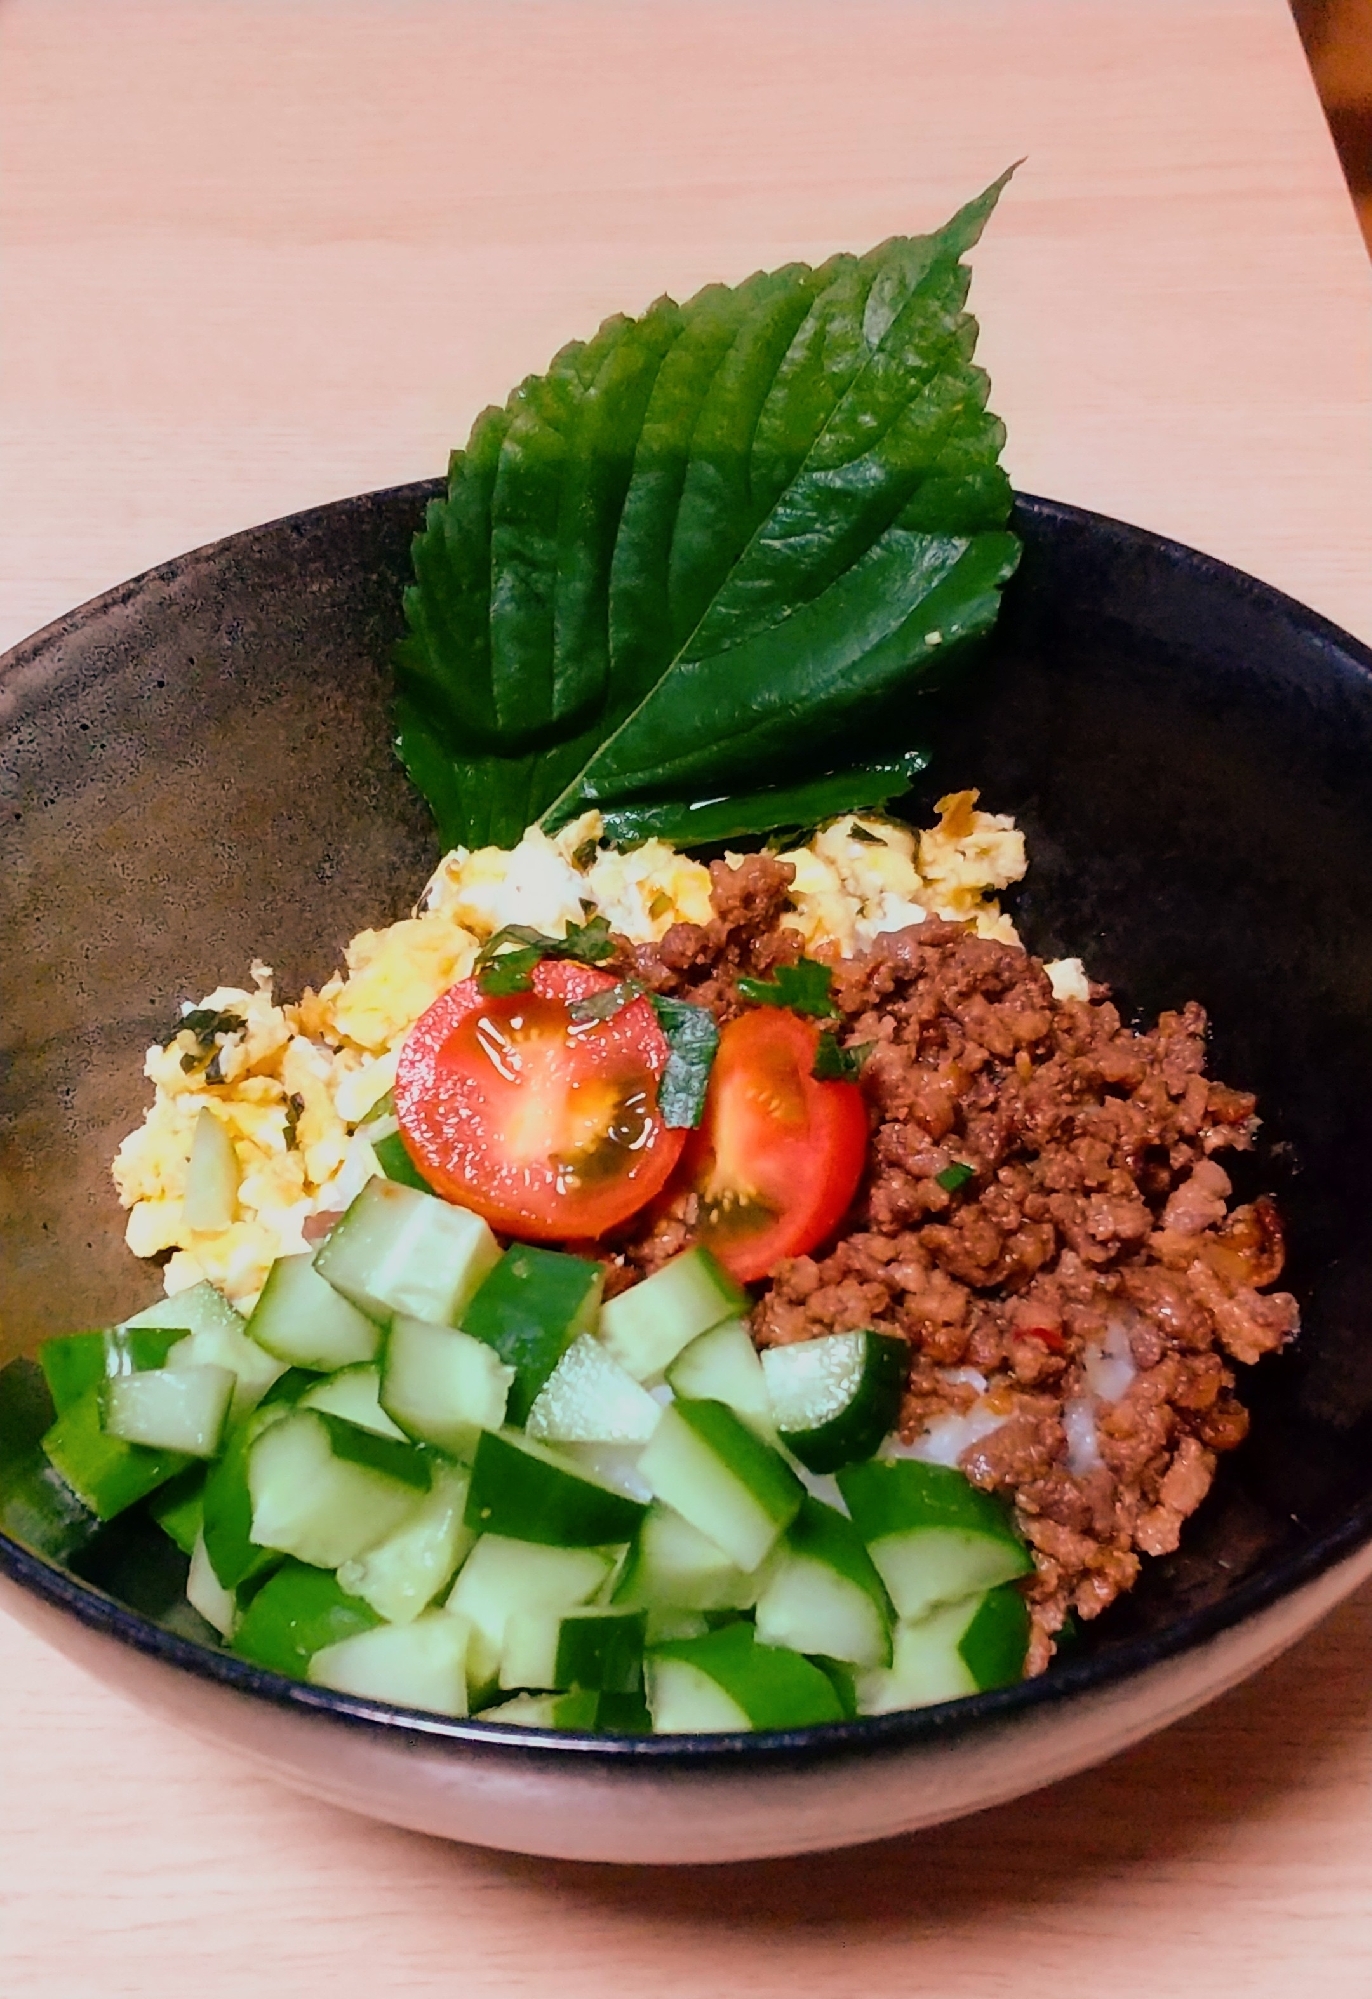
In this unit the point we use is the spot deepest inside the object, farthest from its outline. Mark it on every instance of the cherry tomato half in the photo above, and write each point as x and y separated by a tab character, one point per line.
778	1156
547	1126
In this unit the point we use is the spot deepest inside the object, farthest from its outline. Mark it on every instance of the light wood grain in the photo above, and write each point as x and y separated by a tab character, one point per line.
259	255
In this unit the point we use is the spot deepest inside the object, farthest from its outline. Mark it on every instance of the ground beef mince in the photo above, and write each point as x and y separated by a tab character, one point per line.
1083	1293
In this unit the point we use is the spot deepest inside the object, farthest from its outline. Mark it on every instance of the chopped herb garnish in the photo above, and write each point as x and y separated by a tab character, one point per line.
692	1038
864	835
955	1176
295	1105
604	1006
204	1022
836	1064
215	1072
803	987
585	853
505	962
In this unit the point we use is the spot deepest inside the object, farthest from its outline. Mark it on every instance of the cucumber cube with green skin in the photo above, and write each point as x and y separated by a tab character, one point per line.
727	1681
296	1613
646	1327
442	1386
723	1365
835	1398
527	1492
823	1594
933	1537
660	1625
326	1491
579	1710
106	1474
179	1508
590	1399
304	1321
959	1649
217	1338
623	1714
201	1310
501	1577
396	1163
559	1649
74	1362
227	1505
355	1394
400	1250
717	1473
673	1566
37	1506
530	1309
169	1408
402	1575
418	1665
843	1679
205	1593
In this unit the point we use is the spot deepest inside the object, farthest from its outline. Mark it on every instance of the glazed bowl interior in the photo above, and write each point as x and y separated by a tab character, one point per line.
197	772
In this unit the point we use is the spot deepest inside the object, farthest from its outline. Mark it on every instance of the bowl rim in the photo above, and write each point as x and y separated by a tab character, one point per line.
907	1728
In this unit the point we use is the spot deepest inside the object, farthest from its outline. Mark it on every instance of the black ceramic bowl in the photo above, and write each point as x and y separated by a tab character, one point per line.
196	770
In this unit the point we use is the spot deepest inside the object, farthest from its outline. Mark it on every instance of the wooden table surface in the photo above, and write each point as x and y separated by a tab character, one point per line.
264	254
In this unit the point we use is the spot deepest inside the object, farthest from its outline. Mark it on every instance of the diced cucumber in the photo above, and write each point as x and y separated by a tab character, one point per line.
530	1309
933	1537
37	1506
702	1685
105	1473
179	1508
835	1398
823	1594
528	1492
590	1399
403	1574
296	1613
501	1577
443	1386
578	1710
200	1311
995	1644
227	1509
960	1649
305	1321
723	1365
169	1408
205	1593
326	1491
612	1464
211	1196
843	1680
646	1327
74	1362
668	1623
672	1564
355	1394
574	1648
396	1163
217	1337
400	1250
419	1665
623	1714
718	1474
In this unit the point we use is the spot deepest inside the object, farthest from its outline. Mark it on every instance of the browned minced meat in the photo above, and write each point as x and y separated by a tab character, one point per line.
1096	1200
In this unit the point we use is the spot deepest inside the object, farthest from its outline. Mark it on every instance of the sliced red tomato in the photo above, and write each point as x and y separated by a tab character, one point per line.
547	1126
778	1156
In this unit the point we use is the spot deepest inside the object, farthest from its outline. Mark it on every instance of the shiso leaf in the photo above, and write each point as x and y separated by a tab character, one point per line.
705	545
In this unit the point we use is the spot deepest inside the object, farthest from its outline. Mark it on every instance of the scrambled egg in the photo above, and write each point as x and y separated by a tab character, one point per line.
299	1080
